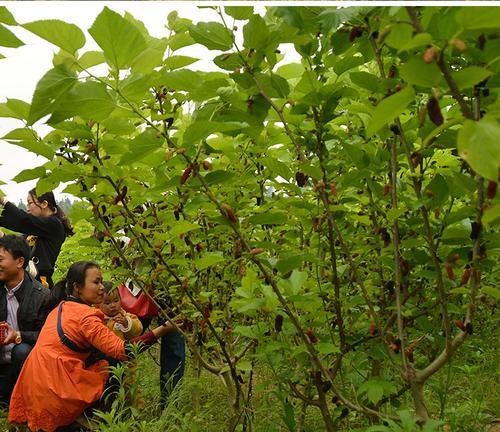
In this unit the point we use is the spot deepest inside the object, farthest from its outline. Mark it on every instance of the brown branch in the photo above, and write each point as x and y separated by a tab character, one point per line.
443	67
301	396
209	367
397	256
438	362
425	216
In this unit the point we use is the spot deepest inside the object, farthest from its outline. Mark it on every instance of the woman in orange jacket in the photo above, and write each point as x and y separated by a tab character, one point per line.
56	385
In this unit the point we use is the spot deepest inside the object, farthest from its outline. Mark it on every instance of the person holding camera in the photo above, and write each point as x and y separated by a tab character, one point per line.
45	227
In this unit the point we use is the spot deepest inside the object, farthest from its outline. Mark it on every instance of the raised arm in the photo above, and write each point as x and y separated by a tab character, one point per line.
20	221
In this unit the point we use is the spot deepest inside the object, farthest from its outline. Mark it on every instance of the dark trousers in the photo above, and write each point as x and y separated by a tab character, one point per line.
172	361
9	372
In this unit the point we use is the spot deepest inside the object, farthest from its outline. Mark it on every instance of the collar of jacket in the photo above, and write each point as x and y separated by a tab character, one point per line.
76	300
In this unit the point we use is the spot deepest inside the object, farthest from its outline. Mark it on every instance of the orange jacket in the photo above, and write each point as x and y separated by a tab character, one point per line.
54	386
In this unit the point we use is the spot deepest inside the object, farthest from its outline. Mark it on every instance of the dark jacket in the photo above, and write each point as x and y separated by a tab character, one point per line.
33	300
49	231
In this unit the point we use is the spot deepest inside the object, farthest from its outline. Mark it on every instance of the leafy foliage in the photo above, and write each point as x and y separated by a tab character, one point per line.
322	217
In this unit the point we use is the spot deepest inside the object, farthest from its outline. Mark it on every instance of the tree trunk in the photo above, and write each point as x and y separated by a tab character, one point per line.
195	397
325	413
234	402
417	391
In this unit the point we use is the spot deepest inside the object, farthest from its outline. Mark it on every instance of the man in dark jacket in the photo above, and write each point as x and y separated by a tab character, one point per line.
23	310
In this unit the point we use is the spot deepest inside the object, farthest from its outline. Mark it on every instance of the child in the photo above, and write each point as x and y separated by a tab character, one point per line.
125	325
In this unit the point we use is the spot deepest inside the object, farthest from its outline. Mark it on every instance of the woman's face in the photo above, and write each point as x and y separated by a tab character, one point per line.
33	207
92	291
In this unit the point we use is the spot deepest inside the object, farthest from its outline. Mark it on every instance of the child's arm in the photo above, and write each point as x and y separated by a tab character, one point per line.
135	328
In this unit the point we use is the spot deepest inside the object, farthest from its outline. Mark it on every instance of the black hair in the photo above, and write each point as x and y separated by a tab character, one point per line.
76	275
51	201
17	246
109	287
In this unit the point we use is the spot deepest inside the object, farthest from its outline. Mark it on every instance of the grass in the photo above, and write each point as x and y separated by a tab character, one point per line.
465	393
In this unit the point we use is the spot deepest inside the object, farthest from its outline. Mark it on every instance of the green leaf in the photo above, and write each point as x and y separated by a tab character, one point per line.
177	62
421	39
374	392
143	145
375	389
91	58
120	40
478	18
6	17
239	12
89	100
440	190
286	264
460	290
229	61
202	129
182	80
400	35
478	144
291	70
492	292
357	155
366	80
273	85
455	234
276	218
119	126
277	167
297	280
311	170
15	108
332	18
289	415
470	76
213	35
135	87
183	227
25	138
180	40
417	72
66	36
491	215
29	174
9	39
327	348
53	85
389	108
151	57
219	177
208	259
379	428
255	33
348	62
308	82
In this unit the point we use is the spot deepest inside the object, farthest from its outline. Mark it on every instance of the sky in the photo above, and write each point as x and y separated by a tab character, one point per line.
24	66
